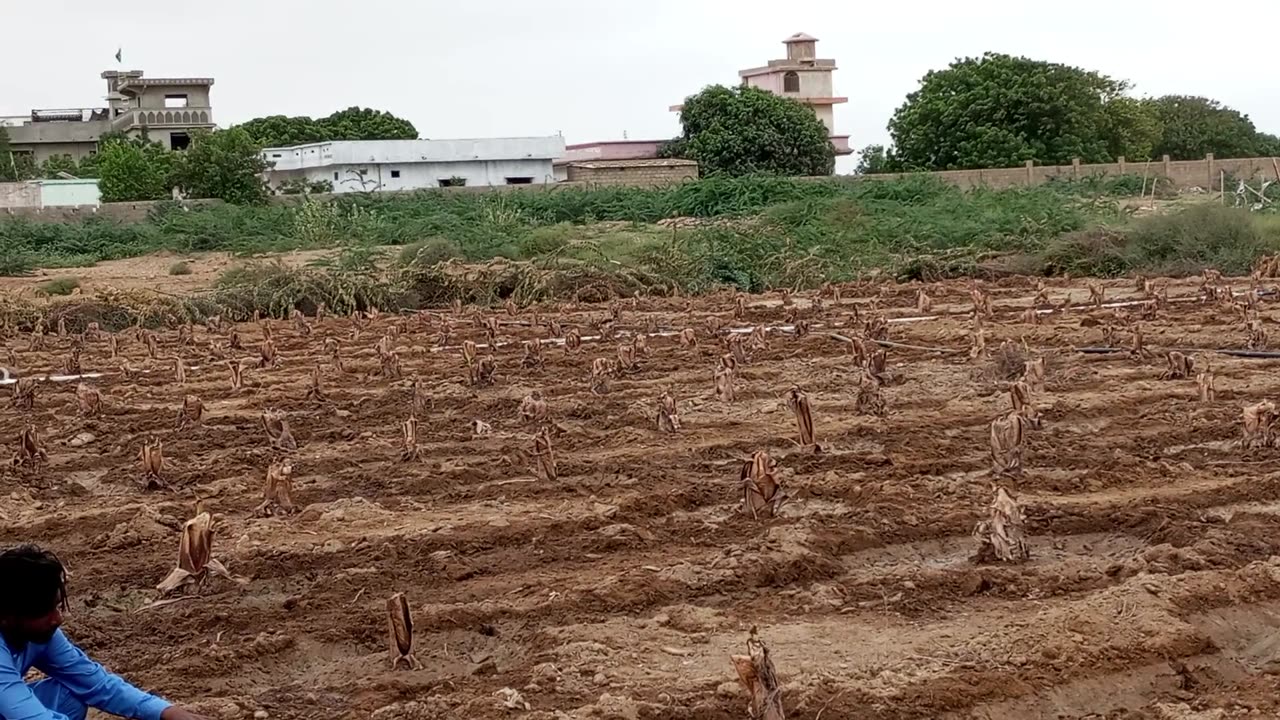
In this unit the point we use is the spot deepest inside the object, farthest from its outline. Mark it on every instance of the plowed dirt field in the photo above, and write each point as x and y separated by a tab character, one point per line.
620	588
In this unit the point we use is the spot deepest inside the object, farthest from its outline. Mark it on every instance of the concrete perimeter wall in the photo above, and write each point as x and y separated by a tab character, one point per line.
1181	174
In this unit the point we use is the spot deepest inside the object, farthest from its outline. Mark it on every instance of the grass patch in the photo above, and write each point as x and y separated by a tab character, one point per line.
180	268
60	286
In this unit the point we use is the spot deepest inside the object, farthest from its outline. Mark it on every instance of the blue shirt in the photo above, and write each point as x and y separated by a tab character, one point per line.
85	679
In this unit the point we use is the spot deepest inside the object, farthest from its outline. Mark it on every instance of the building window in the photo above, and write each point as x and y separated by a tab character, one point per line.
276	155
175	101
791	82
335	177
179	141
453	182
395	174
519	181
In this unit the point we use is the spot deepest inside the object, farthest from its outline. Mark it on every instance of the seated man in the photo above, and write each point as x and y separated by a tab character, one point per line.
33	594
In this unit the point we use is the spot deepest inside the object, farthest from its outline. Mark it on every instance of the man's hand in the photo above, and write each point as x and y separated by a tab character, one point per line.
173	712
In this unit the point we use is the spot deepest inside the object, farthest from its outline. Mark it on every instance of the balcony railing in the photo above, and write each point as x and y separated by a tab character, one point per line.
163	117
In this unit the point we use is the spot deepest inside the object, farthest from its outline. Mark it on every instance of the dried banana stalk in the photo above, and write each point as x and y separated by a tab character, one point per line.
554	326
878	363
400	633
483	370
267	354
510	307
1205	383
315	386
668	414
233	340
152	348
688	338
191	412
544	455
785	293
1180	366
627	357
724	384
113	346
714	324
876	328
739	307
383	346
762	495
237	374
1042	293
801	328
728	362
870	398
600	372
1020	398
1257	334
651	325
1001	536
735	349
300	324
1097	294
1008	432
31	452
152	458
24	393
195	557
276	428
179	371
184	334
981	303
757	676
758	340
924	303
798	403
572	341
89	400
1033	372
469	353
491	329
977	342
480	427
71	362
62	327
265	324
532	354
422	403
533	408
277	492
409	439
321	312
640	344
1031	316
391	366
1258	419
1138	349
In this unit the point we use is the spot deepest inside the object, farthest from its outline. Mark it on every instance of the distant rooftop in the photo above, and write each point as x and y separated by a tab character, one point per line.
800	37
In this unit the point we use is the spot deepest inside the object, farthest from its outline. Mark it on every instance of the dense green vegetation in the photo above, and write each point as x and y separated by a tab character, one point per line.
999	111
749	233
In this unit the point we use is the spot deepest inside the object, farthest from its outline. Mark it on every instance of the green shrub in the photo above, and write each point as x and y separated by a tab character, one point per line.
180	268
429	252
60	286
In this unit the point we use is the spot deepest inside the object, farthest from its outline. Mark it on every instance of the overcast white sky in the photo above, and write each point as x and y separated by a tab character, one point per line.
594	69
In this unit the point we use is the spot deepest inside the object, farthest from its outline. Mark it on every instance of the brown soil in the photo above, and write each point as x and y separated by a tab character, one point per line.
620	589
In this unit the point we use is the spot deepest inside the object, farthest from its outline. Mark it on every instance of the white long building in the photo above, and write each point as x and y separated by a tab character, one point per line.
378	165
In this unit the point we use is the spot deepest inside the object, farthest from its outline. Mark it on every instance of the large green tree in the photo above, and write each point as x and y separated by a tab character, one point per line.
999	111
8	173
282	131
1195	126
134	169
354	123
747	131
223	164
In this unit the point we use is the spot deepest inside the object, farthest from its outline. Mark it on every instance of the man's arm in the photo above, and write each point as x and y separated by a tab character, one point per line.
90	683
17	702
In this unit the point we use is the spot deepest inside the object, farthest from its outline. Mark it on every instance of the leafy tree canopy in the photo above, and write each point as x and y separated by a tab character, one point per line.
746	131
8	173
223	164
999	110
133	169
1192	127
354	123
